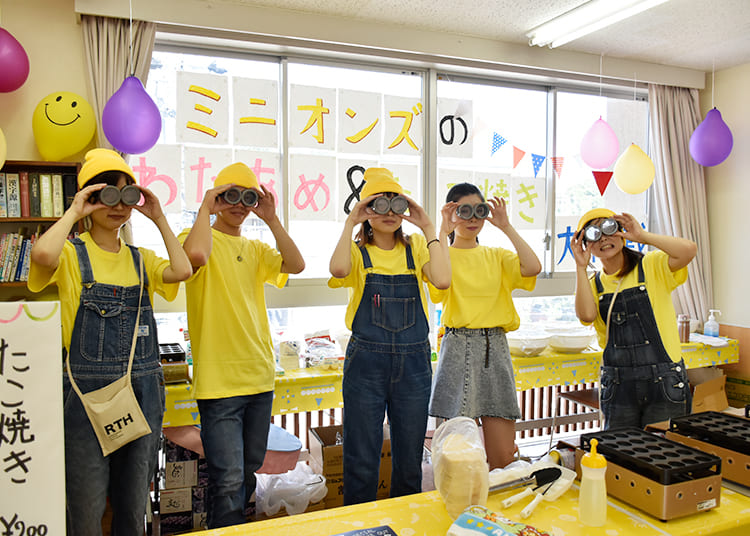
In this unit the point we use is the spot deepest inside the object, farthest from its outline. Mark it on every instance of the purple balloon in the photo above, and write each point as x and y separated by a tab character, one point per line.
131	120
14	63
712	141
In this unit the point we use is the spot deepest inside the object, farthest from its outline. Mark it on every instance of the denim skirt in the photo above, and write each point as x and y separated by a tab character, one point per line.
474	377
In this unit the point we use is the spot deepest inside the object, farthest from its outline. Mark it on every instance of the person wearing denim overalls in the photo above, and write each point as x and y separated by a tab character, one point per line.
97	277
643	377
387	370
474	377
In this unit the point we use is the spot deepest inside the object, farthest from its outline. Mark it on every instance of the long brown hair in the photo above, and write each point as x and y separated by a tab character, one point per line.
631	258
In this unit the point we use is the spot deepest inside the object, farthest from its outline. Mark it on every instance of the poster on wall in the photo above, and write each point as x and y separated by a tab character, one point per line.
202	164
360	125
159	170
527	203
32	453
455	134
257	112
404	126
312	117
350	183
202	114
312	183
408	177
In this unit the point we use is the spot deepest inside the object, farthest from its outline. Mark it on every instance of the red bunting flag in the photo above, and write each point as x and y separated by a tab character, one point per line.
602	179
517	156
557	165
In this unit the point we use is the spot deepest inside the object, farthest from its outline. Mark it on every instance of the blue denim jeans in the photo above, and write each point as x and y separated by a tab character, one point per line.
234	432
125	475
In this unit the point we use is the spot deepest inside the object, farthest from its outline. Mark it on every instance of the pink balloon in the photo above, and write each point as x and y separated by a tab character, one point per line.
599	146
130	119
14	63
712	140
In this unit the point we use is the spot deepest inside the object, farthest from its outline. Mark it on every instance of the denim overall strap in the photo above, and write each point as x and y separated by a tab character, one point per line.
104	325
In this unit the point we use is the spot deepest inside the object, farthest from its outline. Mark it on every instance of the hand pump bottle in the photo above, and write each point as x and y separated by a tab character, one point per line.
592	497
711	327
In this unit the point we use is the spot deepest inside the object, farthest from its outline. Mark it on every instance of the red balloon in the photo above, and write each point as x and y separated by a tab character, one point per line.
14	63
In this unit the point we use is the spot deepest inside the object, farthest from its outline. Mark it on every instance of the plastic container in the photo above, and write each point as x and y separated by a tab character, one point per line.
527	343
711	327
592	498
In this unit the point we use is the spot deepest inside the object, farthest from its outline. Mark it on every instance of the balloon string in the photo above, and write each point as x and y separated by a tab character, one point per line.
130	46
601	58
713	81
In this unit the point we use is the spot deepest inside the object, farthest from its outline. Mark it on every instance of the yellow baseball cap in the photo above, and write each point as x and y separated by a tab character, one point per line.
101	160
378	181
239	174
594	214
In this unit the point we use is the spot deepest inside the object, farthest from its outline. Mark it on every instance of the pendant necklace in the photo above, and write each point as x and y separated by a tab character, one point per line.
242	248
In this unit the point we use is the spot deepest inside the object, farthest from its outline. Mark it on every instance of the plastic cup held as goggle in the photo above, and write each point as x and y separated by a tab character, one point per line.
479	211
383	205
235	195
608	227
112	195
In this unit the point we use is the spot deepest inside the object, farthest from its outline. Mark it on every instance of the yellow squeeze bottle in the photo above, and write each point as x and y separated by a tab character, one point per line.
592	497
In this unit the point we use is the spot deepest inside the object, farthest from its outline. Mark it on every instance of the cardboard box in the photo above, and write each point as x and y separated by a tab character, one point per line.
326	458
738	390
181	474
176	500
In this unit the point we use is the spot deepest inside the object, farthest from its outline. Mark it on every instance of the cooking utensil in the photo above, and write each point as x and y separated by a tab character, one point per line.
540	477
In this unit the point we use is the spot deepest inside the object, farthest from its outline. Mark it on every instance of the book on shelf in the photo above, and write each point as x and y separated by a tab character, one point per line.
22	253
23	185
8	253
3	204
57	195
70	188
35	195
45	182
13	195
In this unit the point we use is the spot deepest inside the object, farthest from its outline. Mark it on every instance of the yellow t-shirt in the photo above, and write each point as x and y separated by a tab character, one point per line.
230	334
660	282
108	268
480	292
386	262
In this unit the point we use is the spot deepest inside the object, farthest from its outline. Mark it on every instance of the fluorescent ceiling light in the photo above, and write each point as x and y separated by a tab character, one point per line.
585	19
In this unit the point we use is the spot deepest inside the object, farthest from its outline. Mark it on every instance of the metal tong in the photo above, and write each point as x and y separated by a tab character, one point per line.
540	477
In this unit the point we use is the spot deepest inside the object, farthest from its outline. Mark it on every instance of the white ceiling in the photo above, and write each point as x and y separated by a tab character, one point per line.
695	34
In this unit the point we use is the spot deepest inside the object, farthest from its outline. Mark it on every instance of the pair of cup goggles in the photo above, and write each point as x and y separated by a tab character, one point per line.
383	205
235	195
112	195
479	211
593	233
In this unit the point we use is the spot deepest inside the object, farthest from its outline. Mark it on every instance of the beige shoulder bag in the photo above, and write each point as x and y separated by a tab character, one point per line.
113	410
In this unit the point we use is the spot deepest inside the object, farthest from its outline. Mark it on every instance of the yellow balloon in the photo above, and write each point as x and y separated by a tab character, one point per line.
3	149
634	171
64	124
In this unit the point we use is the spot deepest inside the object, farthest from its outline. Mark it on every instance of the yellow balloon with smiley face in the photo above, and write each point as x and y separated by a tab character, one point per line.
64	124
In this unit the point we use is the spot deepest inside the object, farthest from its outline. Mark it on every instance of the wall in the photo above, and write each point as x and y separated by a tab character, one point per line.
50	33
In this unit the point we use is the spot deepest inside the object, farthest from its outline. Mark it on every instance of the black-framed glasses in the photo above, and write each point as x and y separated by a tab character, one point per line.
111	195
608	227
479	211
246	196
382	205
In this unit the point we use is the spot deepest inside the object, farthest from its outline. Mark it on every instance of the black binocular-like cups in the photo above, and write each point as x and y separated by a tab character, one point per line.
382	205
112	195
593	233
246	196
479	211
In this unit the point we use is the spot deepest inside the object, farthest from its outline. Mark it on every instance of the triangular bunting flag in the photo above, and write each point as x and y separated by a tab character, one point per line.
319	401
537	160
517	156
557	165
497	142
194	415
602	179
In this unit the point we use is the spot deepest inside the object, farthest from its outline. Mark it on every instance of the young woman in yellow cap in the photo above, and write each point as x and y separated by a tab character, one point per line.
233	361
98	281
387	368
475	374
643	377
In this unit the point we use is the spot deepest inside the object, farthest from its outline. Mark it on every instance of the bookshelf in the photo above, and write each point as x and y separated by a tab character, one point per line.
28	217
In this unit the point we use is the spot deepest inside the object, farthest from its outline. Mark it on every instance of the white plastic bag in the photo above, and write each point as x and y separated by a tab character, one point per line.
293	490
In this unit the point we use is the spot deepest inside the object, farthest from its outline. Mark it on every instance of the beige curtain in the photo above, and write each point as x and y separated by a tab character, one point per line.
109	60
680	191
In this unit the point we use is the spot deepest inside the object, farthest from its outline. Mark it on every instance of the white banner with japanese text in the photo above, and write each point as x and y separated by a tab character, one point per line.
32	454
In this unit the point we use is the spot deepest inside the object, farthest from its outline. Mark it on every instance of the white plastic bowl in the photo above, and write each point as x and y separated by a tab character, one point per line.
527	343
571	342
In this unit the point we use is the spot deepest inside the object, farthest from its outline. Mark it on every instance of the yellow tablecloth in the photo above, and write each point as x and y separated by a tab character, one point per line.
424	515
315	389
